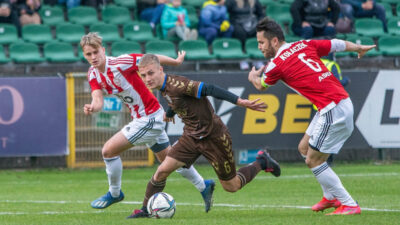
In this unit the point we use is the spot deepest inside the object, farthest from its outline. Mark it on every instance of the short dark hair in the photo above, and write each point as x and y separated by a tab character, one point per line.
271	29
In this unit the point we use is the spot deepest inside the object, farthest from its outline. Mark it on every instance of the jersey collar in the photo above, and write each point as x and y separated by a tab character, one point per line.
165	82
283	47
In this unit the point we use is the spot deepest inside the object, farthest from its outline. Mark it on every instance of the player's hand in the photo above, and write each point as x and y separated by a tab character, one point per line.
330	24
254	73
88	109
252	104
362	49
181	57
305	24
169	119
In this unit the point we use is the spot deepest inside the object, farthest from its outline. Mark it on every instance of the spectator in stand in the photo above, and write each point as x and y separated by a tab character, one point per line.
153	14
363	8
9	13
70	3
244	15
214	21
314	18
175	22
29	12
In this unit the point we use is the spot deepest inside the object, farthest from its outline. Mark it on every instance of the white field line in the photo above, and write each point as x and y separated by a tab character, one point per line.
302	176
232	206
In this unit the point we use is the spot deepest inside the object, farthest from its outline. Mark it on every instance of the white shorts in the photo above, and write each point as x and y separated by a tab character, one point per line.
149	130
329	131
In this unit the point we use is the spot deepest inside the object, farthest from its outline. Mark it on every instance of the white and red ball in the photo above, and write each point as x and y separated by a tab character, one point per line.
161	205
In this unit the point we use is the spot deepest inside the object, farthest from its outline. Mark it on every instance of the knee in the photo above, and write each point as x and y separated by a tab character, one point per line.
160	175
230	189
330	31
106	151
303	147
307	32
346	9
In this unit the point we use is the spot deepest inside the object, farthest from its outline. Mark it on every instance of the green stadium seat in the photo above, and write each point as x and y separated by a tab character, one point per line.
83	15
108	32
25	53
369	27
126	3
38	34
390	1
163	47
388	10
125	47
292	38
138	31
364	41
71	33
252	49
8	33
195	3
116	15
195	50
267	2
287	1
3	58
80	54
228	48
389	46
279	12
398	9
194	20
59	52
52	15
394	26
341	36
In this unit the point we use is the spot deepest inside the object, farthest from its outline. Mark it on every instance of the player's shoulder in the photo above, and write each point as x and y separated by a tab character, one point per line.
91	74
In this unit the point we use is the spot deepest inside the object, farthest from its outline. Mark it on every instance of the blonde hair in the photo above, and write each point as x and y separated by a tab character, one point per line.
148	59
92	39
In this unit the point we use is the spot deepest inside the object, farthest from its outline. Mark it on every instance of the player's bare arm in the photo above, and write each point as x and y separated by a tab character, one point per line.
360	49
255	78
252	104
96	105
165	60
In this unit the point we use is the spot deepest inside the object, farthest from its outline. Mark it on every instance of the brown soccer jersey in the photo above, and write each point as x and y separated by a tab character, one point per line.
196	112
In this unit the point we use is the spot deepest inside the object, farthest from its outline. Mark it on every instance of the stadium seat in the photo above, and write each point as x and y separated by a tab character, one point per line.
38	34
117	15
8	33
292	38
163	47
108	32
83	15
52	15
126	3
125	47
71	33
388	10
364	41
80	54
228	48
138	31
394	26
398	9
194	20
390	1
195	50
252	49
25	53
58	52
369	27
195	3
267	2
3	58
389	46
279	12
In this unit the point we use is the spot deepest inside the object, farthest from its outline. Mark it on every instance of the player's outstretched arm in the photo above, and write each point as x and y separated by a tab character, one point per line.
165	60
252	104
360	49
255	78
96	105
169	115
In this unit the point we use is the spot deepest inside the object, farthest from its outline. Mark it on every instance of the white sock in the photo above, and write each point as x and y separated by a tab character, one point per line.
332	184
114	173
193	176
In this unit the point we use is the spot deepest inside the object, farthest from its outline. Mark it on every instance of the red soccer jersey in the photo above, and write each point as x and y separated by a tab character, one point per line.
122	79
299	66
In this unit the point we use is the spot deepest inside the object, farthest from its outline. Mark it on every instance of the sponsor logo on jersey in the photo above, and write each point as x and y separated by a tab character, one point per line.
117	81
292	50
324	75
138	58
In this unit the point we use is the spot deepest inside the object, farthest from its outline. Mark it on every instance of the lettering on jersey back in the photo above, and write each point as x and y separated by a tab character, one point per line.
286	54
324	75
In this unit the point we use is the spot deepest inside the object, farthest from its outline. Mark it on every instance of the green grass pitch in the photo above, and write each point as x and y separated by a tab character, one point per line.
63	196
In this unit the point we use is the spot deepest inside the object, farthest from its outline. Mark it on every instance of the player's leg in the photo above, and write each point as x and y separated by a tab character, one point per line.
157	184
330	133
111	151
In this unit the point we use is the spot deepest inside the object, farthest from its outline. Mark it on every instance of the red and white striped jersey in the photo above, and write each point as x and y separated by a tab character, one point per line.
122	79
299	66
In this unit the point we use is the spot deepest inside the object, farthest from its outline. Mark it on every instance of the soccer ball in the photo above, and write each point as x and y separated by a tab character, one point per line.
161	205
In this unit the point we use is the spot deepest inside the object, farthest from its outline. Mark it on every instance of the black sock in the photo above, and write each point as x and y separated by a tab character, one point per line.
247	173
152	188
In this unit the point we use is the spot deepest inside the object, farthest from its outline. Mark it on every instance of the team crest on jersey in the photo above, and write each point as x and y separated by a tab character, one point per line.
169	100
103	85
117	81
138	58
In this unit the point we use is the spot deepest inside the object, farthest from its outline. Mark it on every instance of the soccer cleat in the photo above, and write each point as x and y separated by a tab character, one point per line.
207	194
268	164
106	200
346	210
325	204
139	213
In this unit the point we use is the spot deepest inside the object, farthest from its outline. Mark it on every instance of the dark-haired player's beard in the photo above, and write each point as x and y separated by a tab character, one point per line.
270	51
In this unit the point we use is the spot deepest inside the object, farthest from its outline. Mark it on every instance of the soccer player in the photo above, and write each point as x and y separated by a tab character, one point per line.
299	66
203	134
119	76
